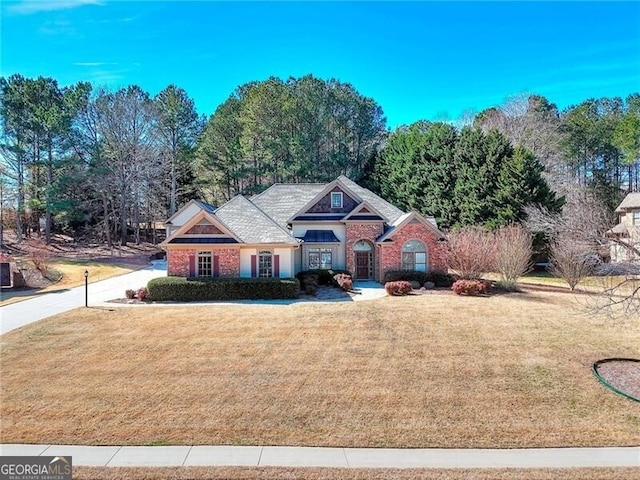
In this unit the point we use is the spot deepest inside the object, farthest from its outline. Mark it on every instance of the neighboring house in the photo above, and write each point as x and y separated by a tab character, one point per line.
625	236
293	227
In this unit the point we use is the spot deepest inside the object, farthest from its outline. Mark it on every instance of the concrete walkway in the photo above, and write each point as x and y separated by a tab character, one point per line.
45	305
172	456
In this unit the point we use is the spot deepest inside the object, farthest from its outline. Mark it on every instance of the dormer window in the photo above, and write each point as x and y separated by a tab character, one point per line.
336	199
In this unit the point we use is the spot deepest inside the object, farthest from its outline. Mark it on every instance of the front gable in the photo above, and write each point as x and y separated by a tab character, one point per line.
324	205
365	212
202	229
416	222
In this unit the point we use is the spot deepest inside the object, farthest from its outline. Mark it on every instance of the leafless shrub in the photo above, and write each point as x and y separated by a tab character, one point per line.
471	252
572	260
40	256
514	247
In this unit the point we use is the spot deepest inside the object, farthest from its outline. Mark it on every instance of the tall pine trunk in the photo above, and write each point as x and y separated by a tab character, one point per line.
47	218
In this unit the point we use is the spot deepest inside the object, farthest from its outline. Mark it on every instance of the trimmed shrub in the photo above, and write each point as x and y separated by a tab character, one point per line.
471	287
325	277
311	288
344	281
401	287
507	286
129	293
181	289
310	283
142	293
439	279
429	285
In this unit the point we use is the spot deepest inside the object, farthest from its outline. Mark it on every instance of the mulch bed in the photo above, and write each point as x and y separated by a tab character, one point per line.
624	375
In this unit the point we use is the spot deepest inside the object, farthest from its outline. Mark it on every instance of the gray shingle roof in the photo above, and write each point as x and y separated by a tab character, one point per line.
283	200
390	211
632	200
263	218
250	224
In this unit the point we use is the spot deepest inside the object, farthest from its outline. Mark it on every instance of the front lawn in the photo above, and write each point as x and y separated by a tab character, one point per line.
434	370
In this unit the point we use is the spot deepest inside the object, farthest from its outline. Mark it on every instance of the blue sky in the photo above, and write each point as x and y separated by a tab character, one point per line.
418	60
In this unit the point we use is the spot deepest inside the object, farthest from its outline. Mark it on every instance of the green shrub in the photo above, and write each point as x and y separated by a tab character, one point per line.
325	277
439	279
507	286
180	289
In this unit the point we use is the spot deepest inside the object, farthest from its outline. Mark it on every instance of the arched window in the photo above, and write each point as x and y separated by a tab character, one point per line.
362	246
414	256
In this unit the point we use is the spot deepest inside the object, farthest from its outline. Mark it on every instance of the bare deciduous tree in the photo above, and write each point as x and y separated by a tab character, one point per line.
584	218
514	248
471	252
534	123
571	260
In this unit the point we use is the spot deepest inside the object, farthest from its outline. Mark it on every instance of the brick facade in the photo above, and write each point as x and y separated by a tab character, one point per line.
363	231
391	253
228	258
178	262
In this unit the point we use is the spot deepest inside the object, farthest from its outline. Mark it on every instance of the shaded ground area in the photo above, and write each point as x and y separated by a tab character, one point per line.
60	260
63	247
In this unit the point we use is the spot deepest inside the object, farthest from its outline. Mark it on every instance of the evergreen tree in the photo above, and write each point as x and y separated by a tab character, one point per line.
520	183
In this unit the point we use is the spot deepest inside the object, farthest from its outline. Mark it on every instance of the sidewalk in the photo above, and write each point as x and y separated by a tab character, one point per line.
172	456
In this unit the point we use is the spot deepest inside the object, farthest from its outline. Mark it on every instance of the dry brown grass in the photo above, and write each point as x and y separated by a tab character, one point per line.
420	371
257	473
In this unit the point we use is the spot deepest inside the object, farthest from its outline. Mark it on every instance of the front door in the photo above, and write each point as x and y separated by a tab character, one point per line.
364	270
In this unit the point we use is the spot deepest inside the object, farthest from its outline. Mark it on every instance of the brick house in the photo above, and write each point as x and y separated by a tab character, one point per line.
293	227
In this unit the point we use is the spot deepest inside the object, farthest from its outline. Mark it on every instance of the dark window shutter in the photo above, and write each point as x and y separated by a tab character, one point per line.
276	266
216	266
192	265
254	265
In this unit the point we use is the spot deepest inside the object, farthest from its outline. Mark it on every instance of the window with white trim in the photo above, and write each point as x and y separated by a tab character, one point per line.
265	263
205	264
320	258
336	199
636	217
414	256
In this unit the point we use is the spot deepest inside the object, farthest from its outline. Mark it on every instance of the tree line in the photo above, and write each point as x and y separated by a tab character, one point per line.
112	165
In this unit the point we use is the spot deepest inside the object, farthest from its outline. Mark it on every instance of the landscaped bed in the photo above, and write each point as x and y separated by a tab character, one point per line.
417	371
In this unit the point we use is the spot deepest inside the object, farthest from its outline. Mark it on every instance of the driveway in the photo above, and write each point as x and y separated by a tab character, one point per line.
28	311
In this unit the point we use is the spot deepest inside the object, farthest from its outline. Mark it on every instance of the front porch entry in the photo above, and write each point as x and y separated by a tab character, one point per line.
363	253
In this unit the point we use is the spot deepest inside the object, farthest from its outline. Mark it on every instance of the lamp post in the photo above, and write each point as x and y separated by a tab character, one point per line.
86	288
